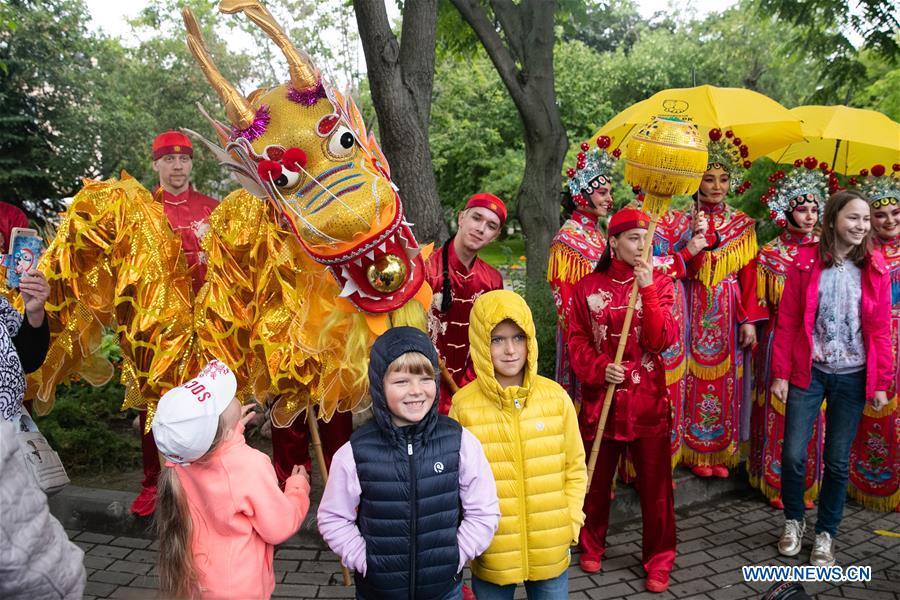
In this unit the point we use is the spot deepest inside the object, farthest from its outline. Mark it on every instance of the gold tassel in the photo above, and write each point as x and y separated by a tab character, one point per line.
879	503
890	407
566	264
769	286
727	457
676	458
720	263
675	375
709	373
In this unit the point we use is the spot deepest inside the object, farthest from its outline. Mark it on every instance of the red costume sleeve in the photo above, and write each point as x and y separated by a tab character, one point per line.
751	309
562	291
590	366
789	324
658	327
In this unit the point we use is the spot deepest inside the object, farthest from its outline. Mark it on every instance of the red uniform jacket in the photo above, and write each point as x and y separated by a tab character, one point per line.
600	300
188	215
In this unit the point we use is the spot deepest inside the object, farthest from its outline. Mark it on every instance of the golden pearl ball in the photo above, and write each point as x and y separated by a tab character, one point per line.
387	273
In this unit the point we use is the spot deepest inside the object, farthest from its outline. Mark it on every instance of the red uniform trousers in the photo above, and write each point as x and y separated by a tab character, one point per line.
290	445
652	462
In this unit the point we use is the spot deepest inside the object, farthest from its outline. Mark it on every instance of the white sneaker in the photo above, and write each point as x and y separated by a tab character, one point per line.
791	537
822	554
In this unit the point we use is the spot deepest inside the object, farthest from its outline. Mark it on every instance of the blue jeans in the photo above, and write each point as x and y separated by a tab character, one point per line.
545	589
846	399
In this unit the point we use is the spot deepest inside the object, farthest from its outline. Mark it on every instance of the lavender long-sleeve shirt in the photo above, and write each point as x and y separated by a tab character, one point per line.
477	494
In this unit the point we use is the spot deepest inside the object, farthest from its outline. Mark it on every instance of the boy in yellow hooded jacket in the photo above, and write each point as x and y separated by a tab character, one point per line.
529	431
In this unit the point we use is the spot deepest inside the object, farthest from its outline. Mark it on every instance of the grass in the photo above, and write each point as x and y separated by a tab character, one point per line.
503	252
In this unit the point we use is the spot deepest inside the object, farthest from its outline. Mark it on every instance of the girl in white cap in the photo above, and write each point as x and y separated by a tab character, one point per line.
220	511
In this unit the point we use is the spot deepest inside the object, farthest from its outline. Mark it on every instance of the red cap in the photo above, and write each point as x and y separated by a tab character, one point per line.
628	218
172	142
490	202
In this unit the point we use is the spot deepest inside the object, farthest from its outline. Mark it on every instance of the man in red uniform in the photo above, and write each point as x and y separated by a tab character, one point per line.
457	276
639	414
187	212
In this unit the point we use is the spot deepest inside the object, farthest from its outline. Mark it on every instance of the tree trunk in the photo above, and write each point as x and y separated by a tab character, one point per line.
523	58
401	76
524	61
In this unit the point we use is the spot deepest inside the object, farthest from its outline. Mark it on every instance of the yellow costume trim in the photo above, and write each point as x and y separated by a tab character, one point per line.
709	373
675	375
728	457
890	407
882	504
721	262
565	264
769	286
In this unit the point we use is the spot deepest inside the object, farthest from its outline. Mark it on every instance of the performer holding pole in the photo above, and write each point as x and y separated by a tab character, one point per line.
666	157
640	412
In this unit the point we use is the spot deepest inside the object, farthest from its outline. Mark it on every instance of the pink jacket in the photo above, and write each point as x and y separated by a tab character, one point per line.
792	347
238	515
477	496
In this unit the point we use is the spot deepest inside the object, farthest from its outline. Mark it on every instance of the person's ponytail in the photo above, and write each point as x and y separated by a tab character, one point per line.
177	578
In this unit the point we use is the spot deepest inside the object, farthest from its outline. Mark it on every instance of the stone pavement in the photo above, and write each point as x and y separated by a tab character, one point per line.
714	541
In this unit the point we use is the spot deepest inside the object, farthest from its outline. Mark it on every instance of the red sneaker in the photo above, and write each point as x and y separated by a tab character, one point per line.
589	564
657	582
776	503
145	503
468	594
720	471
702	471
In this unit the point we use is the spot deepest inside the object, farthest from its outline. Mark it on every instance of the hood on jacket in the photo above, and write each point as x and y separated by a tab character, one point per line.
490	310
387	348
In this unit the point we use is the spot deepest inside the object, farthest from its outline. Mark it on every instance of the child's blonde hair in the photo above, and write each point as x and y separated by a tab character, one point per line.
177	576
415	363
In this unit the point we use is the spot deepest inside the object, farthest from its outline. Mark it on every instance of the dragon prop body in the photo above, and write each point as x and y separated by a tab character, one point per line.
306	264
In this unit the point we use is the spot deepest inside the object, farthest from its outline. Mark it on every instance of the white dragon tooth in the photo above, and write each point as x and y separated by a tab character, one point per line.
358	261
383	246
349	288
371	254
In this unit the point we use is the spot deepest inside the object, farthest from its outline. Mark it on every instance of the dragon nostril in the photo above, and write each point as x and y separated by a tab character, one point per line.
294	159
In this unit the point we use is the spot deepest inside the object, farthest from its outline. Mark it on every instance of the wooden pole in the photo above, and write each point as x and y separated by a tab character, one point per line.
320	458
620	350
448	378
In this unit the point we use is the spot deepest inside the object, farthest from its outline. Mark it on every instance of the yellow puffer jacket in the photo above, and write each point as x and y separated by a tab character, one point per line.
531	439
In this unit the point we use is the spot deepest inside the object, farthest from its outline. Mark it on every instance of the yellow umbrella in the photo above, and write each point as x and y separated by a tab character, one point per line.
763	124
848	139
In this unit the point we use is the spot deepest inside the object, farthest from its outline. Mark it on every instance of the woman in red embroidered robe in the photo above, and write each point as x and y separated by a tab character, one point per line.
875	454
639	416
795	203
577	246
723	310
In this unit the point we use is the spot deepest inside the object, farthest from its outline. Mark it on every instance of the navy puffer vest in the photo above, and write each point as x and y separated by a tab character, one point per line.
409	511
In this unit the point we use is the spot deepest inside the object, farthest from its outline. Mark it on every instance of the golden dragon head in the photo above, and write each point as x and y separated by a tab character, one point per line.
304	146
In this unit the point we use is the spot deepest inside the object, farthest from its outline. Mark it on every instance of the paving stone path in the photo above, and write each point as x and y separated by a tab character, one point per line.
714	541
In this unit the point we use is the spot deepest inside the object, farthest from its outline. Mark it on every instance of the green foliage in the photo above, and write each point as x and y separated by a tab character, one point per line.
89	431
831	28
46	57
543	309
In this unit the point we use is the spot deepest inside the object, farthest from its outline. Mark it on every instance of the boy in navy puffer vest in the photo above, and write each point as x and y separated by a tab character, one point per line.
411	497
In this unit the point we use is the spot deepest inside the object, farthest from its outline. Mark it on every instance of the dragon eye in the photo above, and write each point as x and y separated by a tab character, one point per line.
340	143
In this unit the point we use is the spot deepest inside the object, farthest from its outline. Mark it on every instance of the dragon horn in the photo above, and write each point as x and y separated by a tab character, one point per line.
237	108
304	74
